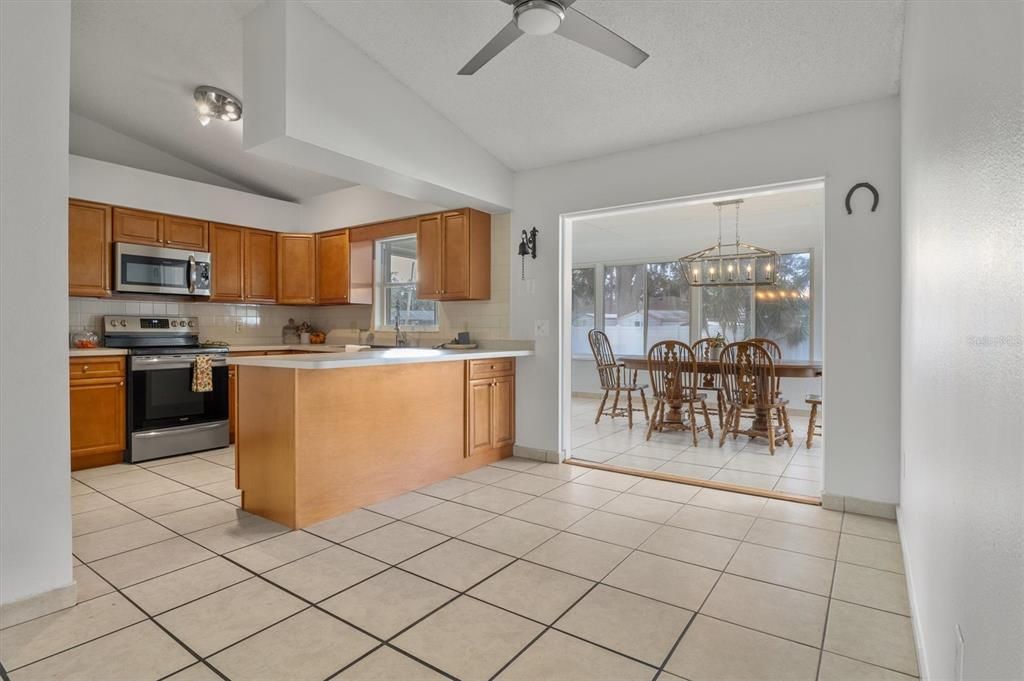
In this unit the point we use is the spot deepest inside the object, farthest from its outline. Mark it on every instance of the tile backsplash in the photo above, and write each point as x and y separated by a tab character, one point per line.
262	324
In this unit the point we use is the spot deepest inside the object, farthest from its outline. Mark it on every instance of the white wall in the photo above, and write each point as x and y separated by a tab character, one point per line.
962	501
97	141
360	205
318	102
861	265
120	185
35	512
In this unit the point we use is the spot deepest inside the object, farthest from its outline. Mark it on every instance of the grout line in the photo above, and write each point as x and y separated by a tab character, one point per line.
464	592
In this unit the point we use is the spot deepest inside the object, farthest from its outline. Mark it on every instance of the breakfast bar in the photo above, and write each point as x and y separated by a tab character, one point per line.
321	434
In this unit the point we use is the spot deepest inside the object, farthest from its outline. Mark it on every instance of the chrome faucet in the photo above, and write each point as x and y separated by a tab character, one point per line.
400	337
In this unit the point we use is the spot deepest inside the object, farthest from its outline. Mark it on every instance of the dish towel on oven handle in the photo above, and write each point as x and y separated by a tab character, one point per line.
202	374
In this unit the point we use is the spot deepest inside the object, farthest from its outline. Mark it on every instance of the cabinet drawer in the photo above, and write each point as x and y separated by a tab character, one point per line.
97	367
248	353
489	368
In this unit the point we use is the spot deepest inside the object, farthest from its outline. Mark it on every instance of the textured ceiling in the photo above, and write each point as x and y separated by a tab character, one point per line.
790	218
134	66
713	65
545	100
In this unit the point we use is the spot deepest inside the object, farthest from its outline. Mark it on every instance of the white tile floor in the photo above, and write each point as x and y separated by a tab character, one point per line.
743	461
519	570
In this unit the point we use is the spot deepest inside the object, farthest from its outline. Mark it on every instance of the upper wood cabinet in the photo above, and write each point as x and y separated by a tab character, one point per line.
333	267
260	266
296	269
453	254
138	227
186	233
227	248
153	229
89	236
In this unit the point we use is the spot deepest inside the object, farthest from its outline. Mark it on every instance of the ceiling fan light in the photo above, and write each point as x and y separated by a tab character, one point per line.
539	17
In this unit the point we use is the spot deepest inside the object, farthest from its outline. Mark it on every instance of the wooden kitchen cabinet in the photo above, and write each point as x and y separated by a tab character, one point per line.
332	250
260	266
186	233
296	269
89	239
227	247
232	404
490	407
453	253
97	405
154	229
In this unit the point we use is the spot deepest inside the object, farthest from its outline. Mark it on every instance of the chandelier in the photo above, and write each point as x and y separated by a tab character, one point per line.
735	264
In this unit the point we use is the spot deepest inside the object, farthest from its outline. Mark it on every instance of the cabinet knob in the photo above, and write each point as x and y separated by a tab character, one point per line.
121	383
85	367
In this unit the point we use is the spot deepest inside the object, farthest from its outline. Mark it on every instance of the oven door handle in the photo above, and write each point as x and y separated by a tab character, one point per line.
178	430
161	364
191	273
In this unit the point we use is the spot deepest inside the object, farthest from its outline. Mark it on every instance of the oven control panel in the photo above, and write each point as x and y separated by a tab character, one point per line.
145	325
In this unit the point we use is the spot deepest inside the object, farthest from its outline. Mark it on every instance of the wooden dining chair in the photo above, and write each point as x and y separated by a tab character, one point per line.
673	370
775	350
710	381
615	378
748	374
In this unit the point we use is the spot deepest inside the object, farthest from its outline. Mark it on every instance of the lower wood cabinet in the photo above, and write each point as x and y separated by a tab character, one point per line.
97	398
490	406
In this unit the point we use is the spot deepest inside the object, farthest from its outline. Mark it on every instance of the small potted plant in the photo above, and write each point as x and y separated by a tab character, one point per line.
715	345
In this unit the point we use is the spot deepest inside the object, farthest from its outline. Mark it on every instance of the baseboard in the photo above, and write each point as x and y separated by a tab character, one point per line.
544	455
915	621
878	509
32	607
583	393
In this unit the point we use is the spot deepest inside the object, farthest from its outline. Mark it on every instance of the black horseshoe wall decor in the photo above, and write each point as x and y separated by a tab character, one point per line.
859	185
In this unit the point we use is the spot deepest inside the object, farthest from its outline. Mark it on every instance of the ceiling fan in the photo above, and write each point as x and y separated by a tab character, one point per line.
542	17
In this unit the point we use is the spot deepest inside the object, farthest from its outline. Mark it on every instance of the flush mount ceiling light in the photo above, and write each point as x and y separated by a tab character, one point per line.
538	17
212	102
735	264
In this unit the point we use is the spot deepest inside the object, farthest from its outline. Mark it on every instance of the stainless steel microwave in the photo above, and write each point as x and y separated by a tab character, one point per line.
152	269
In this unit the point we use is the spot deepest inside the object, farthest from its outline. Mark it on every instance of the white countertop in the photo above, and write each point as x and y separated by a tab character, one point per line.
307	347
341	360
95	352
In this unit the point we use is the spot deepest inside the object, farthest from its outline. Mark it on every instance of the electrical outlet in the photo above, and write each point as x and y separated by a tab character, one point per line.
958	668
238	327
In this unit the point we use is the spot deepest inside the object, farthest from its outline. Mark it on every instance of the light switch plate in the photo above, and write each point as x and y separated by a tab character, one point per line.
541	328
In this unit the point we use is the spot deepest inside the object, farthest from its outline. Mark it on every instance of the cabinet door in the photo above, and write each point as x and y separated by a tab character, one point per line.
227	245
503	417
479	429
260	263
138	227
186	233
429	245
232	403
454	256
296	269
332	252
89	232
97	417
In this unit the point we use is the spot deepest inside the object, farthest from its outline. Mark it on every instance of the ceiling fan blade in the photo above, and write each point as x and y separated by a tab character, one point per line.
582	29
505	37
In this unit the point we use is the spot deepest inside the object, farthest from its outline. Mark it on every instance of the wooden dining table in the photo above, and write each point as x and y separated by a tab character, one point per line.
784	368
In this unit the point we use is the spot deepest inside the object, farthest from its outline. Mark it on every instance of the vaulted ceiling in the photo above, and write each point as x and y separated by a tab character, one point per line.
545	100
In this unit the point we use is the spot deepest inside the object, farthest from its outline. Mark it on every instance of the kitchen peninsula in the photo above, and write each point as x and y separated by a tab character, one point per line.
321	434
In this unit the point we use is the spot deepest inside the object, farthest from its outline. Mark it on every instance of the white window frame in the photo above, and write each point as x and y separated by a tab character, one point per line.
380	285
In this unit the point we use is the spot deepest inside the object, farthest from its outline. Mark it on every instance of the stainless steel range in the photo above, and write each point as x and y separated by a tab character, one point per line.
165	417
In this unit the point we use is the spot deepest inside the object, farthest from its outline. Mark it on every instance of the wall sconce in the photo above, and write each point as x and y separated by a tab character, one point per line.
527	247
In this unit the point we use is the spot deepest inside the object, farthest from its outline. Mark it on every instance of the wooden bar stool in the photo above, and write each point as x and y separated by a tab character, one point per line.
812	423
611	373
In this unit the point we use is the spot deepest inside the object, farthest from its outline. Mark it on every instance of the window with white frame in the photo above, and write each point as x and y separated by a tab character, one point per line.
640	304
394	298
